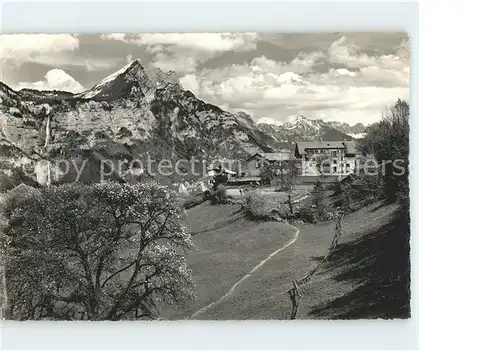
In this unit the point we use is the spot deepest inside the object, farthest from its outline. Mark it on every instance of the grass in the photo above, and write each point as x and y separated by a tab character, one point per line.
377	268
368	278
228	247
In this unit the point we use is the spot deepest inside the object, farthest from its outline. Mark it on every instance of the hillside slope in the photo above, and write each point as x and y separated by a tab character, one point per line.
368	278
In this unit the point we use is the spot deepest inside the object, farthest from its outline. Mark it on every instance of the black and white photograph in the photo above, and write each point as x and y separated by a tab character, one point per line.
205	176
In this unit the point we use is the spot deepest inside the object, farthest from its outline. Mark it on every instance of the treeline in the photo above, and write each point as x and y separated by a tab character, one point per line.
385	174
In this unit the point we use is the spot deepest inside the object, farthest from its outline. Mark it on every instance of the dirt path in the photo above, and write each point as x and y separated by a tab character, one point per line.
231	291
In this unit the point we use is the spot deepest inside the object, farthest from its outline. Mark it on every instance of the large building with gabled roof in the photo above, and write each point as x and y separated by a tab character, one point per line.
326	157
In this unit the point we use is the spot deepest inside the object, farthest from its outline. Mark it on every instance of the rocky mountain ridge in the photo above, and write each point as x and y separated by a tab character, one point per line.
301	128
132	114
129	114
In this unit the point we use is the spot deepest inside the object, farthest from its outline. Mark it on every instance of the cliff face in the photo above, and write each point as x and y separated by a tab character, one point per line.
129	114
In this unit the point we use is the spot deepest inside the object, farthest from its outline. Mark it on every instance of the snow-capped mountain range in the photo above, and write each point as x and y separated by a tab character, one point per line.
300	128
357	129
131	114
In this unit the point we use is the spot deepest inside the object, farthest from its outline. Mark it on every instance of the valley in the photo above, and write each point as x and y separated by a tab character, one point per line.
228	241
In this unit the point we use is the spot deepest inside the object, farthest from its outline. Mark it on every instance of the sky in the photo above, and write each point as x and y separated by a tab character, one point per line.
345	77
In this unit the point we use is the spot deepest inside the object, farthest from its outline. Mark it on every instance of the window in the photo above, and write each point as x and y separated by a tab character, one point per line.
334	153
334	162
348	165
334	169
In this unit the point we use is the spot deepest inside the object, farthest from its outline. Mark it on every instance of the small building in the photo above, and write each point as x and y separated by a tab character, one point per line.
278	159
217	171
326	157
253	181
223	174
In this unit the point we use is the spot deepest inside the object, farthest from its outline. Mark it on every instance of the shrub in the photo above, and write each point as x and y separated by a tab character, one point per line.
194	200
258	207
267	174
319	187
361	191
284	188
220	196
312	214
306	214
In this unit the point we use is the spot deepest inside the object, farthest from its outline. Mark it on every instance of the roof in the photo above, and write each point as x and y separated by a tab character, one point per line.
212	172
277	156
228	171
273	156
349	145
246	179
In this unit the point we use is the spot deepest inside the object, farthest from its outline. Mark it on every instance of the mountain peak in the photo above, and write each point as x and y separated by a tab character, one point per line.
120	81
298	118
163	78
268	121
301	121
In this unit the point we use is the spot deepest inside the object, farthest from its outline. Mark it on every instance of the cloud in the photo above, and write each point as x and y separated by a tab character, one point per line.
57	50
269	121
189	82
208	42
180	64
303	63
31	47
183	52
55	79
342	52
348	78
344	72
88	65
113	36
276	90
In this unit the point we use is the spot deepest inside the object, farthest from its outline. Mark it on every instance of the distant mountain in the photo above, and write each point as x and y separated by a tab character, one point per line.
300	128
355	131
129	114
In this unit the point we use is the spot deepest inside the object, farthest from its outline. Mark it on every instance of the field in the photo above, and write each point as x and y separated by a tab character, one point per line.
243	269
